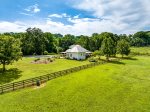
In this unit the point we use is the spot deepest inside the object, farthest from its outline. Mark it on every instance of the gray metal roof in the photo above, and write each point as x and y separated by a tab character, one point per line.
76	48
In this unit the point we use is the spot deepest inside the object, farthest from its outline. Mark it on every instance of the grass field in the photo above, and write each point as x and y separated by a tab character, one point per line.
24	69
114	87
141	50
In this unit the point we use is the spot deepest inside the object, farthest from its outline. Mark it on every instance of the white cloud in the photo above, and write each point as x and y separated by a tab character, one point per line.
124	16
23	13
55	15
82	26
63	15
117	16
81	20
33	9
11	27
76	17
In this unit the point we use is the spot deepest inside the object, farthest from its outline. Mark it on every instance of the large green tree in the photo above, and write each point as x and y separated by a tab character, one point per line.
123	47
141	38
10	50
96	41
107	47
114	38
67	41
49	42
84	41
34	41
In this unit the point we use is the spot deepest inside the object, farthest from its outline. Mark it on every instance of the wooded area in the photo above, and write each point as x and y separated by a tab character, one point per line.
35	41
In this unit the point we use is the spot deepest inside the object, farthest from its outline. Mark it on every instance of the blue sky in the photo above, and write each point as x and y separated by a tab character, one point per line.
75	16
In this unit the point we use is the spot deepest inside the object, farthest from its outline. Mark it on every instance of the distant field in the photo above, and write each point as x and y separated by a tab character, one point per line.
141	50
24	69
114	87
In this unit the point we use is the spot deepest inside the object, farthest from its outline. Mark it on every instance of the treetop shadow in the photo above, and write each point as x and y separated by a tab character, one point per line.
129	58
116	62
9	75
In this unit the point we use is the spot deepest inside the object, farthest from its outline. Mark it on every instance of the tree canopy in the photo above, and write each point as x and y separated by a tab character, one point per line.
10	50
123	47
107	47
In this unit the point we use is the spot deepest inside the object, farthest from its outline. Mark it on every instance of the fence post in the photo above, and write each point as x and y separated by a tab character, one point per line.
32	82
40	79
48	77
2	89
13	86
23	83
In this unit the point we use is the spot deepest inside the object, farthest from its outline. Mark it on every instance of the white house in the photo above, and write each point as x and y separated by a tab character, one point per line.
76	52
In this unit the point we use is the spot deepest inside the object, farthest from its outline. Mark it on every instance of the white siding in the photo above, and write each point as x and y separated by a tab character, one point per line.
75	55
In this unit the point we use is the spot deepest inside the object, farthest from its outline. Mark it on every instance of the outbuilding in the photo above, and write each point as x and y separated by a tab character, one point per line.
76	52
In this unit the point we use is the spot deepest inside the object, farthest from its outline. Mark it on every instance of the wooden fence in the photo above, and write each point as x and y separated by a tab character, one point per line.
31	82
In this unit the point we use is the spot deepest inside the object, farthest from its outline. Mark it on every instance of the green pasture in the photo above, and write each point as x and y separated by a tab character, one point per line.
114	87
24	69
141	50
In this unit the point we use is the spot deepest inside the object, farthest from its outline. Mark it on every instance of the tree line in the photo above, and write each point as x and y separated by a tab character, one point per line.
36	42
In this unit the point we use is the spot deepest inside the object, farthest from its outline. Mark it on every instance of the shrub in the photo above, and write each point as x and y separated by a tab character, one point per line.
46	53
50	59
51	53
92	60
37	59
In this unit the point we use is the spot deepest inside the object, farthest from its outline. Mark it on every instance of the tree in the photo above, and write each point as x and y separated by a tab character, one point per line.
27	45
143	38
67	41
123	47
49	42
114	38
10	50
97	41
107	47
84	41
36	40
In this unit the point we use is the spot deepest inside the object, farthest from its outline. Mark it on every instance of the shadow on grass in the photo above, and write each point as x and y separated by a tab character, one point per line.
116	62
129	58
9	75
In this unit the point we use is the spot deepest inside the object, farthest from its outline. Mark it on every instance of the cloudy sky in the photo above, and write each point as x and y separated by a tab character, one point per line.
75	16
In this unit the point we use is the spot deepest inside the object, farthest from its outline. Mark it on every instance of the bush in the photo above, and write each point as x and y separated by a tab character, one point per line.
92	60
37	59
51	53
50	59
46	53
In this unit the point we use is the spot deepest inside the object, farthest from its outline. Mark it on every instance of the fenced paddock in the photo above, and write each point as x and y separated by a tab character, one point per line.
31	82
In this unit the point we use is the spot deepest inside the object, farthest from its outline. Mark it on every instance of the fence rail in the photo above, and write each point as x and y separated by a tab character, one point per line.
31	82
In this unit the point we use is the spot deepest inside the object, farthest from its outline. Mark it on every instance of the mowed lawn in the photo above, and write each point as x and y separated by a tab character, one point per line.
24	69
141	50
112	87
